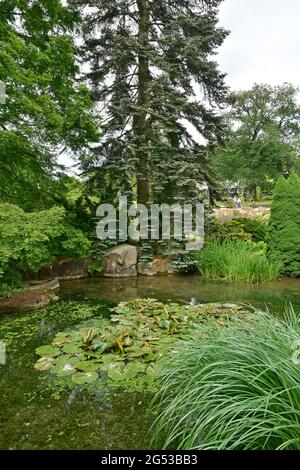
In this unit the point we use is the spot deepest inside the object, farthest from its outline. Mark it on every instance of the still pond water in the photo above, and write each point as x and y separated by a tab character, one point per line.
35	414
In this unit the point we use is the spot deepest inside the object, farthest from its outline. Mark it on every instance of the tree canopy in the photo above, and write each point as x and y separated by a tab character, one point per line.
263	143
46	110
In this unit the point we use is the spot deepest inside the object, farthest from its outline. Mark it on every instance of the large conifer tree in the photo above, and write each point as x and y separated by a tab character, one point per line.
156	87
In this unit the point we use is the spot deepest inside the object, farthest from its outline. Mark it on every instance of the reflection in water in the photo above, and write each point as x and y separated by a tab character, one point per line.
187	289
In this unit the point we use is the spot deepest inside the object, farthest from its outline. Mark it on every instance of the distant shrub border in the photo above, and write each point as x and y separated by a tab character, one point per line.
241	229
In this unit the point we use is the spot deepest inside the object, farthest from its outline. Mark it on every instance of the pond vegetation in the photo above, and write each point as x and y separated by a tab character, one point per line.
234	388
131	347
39	413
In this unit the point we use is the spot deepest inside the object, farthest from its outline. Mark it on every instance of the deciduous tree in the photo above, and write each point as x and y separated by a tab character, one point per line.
46	111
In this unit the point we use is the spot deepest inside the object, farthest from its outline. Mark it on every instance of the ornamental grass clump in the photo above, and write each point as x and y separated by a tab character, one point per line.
236	260
237	388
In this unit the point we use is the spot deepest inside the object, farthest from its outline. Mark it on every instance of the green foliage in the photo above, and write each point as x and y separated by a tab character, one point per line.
146	148
284	227
234	388
45	110
256	227
95	267
236	260
73	195
130	348
241	229
264	140
30	241
72	243
231	230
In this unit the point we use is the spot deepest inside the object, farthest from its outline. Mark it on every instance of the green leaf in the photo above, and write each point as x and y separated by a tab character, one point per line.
72	348
47	351
82	378
115	375
112	366
65	366
88	366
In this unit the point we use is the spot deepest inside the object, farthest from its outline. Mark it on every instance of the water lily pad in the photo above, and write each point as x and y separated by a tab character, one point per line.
49	351
139	353
65	366
44	363
108	358
82	378
131	346
100	345
72	348
112	366
150	357
88	366
60	339
74	337
133	369
115	375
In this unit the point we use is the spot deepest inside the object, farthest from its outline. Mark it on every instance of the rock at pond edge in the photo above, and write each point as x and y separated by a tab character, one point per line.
120	261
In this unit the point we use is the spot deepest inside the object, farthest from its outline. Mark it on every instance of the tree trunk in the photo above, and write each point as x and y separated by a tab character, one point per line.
140	118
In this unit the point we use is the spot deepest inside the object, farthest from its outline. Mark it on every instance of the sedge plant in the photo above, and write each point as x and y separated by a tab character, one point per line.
233	388
236	260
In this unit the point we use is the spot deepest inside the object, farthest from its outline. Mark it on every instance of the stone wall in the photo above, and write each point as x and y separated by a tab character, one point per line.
225	214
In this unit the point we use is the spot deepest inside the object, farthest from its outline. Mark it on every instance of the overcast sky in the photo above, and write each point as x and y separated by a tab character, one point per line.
263	46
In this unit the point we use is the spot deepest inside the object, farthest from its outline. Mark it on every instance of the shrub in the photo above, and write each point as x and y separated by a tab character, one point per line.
231	230
236	260
283	237
241	229
30	241
233	388
257	228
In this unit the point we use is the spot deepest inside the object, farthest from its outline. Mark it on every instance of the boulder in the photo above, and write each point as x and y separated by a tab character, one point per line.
120	261
159	266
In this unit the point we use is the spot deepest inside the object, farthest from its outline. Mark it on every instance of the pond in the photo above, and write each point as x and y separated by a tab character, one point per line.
184	288
37	414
